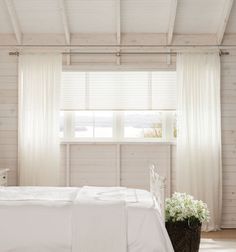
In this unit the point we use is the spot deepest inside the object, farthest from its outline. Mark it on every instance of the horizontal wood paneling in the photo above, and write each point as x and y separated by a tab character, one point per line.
93	164
228	112
136	160
8	115
173	168
63	166
116	164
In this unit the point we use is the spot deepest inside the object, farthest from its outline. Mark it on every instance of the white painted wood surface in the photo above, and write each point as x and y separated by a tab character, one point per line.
81	18
39	16
151	16
94	42
199	16
173	11
231	27
224	20
64	18
4	177
8	115
14	20
228	98
114	164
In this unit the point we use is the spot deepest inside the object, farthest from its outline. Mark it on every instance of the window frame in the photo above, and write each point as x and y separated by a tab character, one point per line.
118	129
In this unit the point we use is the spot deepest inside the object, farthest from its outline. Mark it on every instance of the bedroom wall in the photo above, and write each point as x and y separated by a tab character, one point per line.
125	163
115	164
8	115
228	101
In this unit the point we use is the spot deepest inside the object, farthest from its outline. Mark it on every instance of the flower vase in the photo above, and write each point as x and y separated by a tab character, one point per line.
184	236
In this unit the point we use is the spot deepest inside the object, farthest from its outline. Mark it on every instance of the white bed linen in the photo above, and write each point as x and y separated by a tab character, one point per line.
37	222
100	220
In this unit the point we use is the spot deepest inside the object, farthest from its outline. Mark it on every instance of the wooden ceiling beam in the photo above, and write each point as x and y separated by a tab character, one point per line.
173	12
224	20
118	29
64	18
108	40
14	20
118	22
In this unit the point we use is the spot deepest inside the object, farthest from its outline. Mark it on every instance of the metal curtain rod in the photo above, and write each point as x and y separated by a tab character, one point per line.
125	46
118	54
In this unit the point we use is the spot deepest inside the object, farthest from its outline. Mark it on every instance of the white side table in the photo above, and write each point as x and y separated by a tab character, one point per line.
3	177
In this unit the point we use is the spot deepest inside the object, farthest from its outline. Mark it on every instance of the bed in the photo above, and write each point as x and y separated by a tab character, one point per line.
87	219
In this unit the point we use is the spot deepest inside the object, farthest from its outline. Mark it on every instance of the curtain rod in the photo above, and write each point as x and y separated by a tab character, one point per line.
118	54
213	46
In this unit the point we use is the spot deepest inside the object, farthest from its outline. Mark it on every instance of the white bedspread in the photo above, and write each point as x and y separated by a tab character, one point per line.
100	225
37	195
46	220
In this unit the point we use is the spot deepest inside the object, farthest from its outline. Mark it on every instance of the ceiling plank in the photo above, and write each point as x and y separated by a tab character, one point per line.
64	18
173	11
14	20
107	41
224	20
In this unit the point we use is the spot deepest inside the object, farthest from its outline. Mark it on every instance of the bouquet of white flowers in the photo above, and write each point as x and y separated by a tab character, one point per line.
184	216
183	207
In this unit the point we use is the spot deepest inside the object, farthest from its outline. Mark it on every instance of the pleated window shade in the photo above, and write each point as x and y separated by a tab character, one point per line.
118	90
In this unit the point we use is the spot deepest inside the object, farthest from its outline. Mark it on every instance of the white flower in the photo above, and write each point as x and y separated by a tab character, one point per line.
183	207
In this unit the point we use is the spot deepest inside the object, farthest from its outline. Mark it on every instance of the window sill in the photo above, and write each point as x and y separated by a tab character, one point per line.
128	141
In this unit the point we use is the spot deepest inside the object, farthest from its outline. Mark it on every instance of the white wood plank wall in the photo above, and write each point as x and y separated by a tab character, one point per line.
173	168
136	160
99	164
93	164
116	164
8	115
228	107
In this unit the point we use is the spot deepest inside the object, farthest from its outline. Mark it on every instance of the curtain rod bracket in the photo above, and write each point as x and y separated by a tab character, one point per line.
221	53
14	53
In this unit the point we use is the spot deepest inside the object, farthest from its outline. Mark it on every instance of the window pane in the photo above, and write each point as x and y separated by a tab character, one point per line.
61	124
143	124
84	124
93	124
103	124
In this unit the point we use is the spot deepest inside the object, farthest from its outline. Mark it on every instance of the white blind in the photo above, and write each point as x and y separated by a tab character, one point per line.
73	91
164	90
118	90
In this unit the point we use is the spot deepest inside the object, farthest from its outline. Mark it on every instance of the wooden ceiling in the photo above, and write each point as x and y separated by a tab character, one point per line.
117	22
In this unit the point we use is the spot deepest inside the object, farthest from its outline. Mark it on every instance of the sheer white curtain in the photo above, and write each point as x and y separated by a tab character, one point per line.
39	103
199	131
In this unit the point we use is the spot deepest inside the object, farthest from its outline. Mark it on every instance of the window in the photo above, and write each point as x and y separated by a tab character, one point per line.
118	125
118	106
